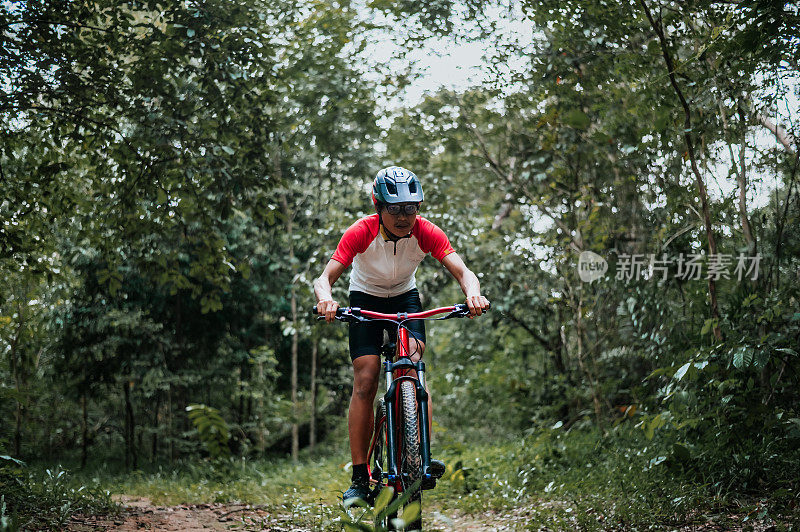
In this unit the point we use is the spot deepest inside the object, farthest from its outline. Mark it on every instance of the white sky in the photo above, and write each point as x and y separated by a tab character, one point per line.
449	65
443	62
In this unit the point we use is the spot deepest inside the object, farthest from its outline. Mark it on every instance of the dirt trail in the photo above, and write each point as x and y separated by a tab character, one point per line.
140	514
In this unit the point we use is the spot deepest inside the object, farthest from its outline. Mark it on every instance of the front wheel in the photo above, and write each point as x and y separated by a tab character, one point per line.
410	457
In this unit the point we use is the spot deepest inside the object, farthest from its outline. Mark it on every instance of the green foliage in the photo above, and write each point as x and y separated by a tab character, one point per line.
211	428
39	500
582	478
359	516
583	150
174	175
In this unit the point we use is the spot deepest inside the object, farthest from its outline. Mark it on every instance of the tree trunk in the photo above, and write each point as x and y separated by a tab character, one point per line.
240	406
581	362
248	413
170	433
179	346
780	224
130	427
558	348
741	179
739	169
138	445
701	187
295	406
261	440
293	295
154	441
127	427
18	430
49	429
15	373
85	442
312	430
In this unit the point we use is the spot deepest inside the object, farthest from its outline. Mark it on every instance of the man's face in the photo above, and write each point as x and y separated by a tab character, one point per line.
399	224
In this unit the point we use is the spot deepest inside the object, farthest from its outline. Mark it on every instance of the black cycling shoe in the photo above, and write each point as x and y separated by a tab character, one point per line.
436	470
359	489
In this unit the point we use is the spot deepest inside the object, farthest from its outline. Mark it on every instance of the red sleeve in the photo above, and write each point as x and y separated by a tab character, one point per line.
432	239
356	239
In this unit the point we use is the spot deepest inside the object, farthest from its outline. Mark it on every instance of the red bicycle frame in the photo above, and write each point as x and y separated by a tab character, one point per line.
396	372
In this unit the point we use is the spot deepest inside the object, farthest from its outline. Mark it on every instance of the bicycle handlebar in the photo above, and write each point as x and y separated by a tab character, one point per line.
459	310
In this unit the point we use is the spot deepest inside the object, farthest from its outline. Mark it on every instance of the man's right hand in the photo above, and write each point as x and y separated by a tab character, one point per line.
327	309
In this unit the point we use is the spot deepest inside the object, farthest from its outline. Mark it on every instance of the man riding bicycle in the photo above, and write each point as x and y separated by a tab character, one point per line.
385	250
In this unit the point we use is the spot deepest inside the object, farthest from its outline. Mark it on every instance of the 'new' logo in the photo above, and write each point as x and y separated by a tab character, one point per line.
591	266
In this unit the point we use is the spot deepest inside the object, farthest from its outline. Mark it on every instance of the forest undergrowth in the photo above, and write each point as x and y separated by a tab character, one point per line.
550	480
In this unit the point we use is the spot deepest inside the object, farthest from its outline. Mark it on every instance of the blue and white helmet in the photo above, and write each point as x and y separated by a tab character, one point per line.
396	185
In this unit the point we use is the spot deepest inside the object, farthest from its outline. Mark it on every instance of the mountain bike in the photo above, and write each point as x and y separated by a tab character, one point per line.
399	454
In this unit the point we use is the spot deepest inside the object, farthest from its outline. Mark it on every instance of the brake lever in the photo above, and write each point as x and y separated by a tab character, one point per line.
351	318
343	317
456	314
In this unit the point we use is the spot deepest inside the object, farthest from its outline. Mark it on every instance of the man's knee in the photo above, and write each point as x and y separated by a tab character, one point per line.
365	391
365	378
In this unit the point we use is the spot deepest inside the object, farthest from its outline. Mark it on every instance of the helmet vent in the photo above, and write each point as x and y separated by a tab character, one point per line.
412	186
391	188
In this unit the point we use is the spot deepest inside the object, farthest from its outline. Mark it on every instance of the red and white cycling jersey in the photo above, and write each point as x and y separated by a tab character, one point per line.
386	268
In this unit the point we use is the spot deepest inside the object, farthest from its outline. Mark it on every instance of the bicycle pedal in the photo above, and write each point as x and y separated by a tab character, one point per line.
373	494
428	484
437	469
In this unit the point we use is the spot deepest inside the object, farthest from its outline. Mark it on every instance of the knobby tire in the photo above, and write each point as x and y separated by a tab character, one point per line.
410	457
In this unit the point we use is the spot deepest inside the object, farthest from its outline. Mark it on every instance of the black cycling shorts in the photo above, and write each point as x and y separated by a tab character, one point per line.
367	338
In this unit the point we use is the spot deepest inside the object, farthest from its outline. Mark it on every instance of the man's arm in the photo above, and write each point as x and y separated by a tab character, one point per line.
469	283
326	306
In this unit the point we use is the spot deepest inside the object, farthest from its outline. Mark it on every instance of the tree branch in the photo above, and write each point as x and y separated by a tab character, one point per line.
783	136
547	344
687	129
502	214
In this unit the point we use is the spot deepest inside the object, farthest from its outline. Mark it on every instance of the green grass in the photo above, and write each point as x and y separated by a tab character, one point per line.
33	499
264	482
594	481
551	479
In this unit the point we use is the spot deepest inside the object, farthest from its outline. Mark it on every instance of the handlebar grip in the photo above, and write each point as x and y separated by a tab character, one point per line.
462	307
339	311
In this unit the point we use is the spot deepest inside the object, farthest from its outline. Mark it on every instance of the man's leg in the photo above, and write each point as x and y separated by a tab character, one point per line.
360	418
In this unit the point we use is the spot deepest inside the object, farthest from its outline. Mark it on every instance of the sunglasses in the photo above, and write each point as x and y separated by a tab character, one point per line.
406	209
